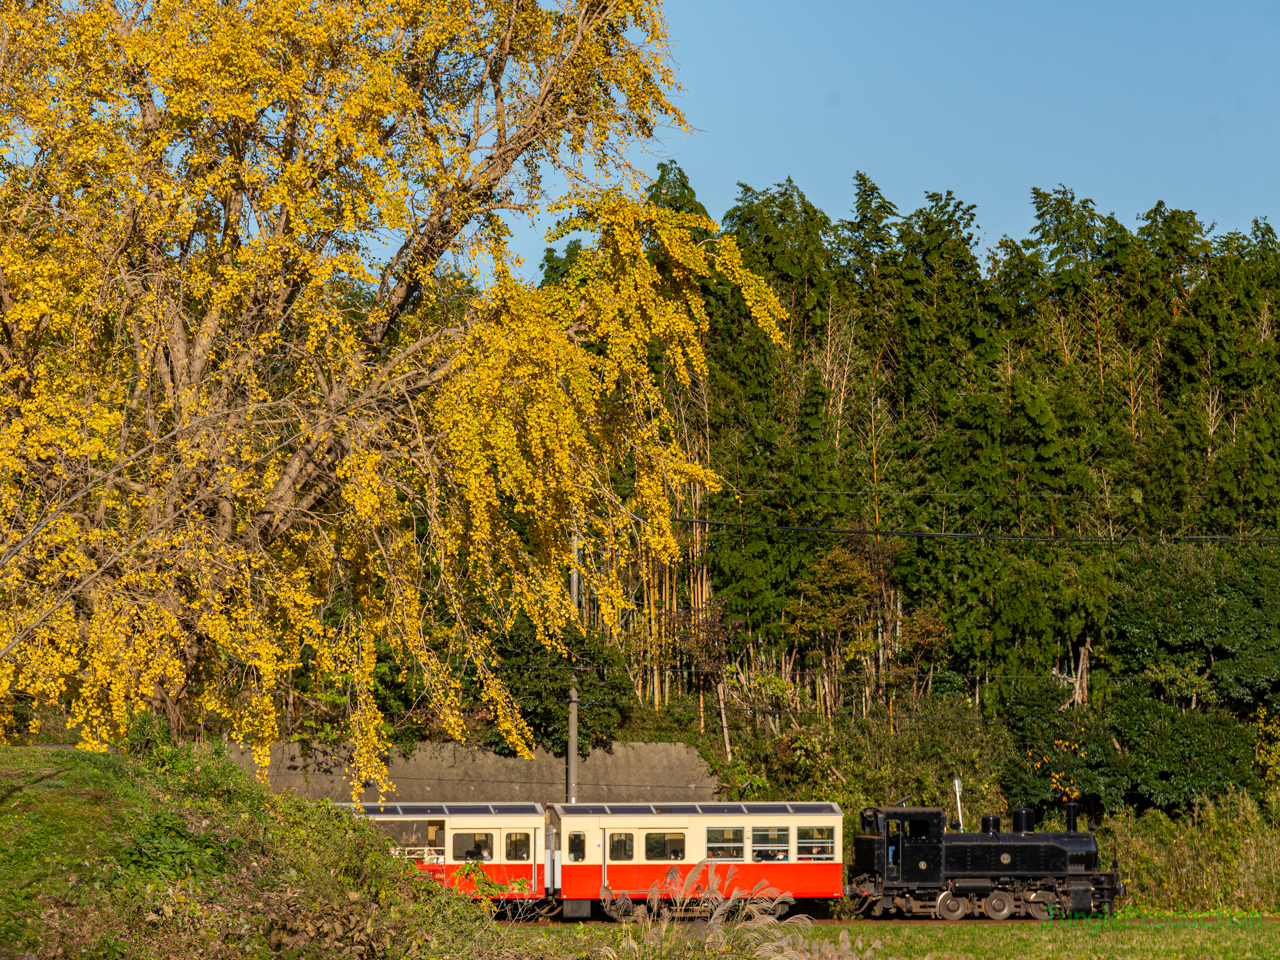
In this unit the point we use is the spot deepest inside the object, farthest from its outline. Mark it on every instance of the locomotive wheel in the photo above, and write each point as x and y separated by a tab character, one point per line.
998	906
1038	911
951	908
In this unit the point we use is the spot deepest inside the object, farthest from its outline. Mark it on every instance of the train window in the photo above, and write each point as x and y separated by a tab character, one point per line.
517	846
473	846
917	829
815	843
895	841
577	847
726	844
664	846
622	846
770	843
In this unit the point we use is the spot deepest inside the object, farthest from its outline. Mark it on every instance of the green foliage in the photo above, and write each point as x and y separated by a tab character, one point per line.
1176	757
1201	622
768	415
859	762
1130	750
555	265
1089	381
540	681
165	847
148	736
1221	856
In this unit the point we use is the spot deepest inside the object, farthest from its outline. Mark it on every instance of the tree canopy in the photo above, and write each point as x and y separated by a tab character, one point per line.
273	399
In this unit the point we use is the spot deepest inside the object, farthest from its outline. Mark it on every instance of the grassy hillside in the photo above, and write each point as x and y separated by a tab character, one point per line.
178	853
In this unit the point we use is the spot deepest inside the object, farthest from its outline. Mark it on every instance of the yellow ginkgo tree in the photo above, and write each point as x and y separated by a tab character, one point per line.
269	389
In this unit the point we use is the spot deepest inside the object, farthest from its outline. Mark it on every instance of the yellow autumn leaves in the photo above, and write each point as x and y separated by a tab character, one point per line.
263	408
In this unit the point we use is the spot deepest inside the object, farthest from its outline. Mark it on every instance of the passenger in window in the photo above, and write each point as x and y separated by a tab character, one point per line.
485	854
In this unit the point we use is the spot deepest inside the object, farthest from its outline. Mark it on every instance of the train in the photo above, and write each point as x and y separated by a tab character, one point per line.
619	860
906	861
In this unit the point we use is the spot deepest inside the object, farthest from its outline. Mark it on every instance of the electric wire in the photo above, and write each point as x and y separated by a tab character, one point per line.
991	537
779	711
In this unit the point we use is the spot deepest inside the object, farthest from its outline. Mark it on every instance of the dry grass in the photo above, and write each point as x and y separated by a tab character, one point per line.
1223	857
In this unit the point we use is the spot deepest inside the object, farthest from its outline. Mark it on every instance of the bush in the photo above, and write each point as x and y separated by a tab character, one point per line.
1222	856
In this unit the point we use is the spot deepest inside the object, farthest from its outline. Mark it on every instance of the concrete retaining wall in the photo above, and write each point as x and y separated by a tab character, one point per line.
628	773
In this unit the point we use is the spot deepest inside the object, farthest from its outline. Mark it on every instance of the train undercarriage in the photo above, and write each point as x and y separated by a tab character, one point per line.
998	899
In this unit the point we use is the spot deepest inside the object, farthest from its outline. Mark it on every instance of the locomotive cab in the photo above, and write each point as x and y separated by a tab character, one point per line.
912	848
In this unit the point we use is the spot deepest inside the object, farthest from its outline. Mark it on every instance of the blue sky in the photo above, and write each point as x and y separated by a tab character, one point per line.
1126	103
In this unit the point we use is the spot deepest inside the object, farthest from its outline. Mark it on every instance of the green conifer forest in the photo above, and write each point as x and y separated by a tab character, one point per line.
1092	408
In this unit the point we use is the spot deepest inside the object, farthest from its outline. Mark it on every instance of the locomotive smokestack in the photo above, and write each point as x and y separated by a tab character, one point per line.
1072	808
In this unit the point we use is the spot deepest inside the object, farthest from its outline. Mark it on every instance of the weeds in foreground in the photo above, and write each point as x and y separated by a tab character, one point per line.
705	913
761	938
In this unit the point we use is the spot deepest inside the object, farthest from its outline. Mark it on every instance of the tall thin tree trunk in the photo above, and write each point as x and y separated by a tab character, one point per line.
724	722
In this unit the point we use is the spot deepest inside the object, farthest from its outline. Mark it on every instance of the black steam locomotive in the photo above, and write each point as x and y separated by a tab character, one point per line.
906	861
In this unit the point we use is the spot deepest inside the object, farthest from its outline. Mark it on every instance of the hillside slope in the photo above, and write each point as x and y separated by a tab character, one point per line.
176	852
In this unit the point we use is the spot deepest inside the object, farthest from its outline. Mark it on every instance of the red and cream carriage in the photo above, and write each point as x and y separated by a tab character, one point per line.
634	848
569	852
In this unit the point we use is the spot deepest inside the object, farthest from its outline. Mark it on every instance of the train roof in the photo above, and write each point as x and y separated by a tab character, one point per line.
666	809
446	809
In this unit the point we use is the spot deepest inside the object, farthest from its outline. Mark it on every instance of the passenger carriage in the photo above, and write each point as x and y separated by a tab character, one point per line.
633	848
567	853
505	841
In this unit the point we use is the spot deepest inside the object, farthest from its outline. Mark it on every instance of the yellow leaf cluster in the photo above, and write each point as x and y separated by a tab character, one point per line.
271	396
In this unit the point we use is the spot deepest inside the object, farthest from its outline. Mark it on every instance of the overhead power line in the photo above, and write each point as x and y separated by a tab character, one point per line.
832	674
945	535
780	711
965	494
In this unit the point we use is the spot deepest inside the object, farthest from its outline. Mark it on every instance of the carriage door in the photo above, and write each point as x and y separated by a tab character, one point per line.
921	851
893	851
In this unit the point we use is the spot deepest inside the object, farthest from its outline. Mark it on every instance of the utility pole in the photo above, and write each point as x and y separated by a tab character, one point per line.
571	758
724	723
573	577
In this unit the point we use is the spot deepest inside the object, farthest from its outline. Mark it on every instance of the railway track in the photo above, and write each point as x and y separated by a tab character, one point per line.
869	925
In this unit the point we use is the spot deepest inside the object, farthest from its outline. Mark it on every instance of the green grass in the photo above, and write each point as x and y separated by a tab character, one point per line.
1167	939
